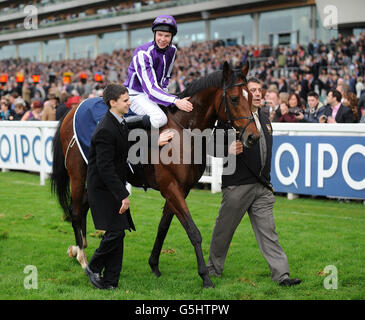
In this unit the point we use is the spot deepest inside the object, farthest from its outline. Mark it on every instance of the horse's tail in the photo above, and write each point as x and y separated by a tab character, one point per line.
60	180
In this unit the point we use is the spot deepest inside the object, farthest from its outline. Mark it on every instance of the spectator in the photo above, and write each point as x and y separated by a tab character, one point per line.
283	97
20	109
6	113
350	100
12	97
272	105
359	87
62	109
282	85
49	111
286	115
54	99
343	88
296	107
311	113
324	82
307	84
361	108
26	93
335	111
73	102
35	112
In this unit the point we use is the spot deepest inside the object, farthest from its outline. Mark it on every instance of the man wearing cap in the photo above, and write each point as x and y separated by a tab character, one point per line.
149	74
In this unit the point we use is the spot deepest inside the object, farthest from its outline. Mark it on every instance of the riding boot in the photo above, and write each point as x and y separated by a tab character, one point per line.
140	122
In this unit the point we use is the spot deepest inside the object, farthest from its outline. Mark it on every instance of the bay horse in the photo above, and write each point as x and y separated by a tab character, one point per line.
222	95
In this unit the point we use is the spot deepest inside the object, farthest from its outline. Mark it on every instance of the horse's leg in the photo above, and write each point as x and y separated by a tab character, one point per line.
84	211
77	194
196	240
163	227
177	202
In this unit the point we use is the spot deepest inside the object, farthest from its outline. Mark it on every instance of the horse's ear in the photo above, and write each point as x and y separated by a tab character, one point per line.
245	69
226	72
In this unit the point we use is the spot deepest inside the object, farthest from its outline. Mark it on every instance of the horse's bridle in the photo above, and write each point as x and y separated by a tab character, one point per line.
230	119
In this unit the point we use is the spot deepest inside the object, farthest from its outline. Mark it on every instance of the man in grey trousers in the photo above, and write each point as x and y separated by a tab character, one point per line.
249	189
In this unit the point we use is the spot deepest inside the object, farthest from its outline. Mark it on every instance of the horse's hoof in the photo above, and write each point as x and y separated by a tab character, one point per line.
156	271
72	251
81	258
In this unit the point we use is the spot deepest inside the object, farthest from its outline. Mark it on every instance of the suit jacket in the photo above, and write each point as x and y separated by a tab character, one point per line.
107	175
251	158
344	114
306	88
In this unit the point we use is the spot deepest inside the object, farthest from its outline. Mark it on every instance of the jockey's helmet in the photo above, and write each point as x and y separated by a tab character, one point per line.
165	23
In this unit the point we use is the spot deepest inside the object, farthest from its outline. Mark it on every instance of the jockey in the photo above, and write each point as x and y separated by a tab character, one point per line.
149	74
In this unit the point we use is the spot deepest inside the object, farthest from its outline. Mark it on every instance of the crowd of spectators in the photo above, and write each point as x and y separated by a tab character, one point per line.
317	83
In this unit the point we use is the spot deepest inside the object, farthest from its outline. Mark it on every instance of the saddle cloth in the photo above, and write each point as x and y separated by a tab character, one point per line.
86	118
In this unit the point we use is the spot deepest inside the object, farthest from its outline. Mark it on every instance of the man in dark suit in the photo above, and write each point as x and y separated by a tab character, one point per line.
307	85
106	185
249	189
335	111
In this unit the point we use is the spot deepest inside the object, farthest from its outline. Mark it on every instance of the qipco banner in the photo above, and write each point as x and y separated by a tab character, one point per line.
319	165
26	148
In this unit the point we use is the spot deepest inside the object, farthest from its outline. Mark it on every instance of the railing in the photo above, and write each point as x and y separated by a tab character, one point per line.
311	159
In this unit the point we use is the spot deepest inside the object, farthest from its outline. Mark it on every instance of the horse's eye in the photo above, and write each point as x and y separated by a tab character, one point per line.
234	99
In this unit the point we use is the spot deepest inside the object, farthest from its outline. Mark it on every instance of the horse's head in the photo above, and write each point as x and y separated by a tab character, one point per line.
234	106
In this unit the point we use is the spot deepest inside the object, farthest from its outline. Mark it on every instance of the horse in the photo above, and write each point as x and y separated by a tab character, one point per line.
222	95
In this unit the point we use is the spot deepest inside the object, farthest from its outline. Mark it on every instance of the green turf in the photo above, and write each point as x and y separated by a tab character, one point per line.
313	233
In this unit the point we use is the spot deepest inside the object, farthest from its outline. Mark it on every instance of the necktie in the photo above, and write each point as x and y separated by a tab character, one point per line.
257	121
262	141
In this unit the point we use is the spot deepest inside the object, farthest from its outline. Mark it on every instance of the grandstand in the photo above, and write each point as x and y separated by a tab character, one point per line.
58	42
72	29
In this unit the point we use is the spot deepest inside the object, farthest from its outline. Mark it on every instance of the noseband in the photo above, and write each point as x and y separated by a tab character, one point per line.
230	119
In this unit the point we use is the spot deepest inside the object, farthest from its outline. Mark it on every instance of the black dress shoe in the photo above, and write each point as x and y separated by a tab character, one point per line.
110	287
290	282
95	278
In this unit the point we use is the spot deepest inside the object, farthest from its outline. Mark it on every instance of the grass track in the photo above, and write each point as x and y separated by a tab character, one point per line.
313	234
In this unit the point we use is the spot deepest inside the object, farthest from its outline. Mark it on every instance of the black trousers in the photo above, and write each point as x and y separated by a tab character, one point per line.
109	256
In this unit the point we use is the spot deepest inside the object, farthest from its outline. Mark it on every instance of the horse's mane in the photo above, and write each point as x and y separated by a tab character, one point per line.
212	80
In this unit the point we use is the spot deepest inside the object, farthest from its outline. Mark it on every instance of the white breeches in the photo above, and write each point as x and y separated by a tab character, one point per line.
141	105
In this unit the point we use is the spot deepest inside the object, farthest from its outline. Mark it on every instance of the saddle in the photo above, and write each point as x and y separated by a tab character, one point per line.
86	118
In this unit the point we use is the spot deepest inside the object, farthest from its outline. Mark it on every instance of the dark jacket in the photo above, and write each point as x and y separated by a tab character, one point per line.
344	114
252	158
61	110
107	175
